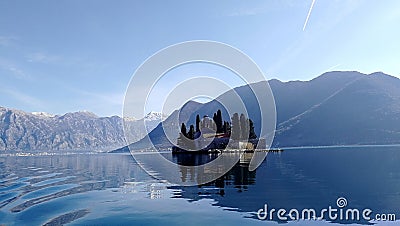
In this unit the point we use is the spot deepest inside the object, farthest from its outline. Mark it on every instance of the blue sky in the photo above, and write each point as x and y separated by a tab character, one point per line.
62	56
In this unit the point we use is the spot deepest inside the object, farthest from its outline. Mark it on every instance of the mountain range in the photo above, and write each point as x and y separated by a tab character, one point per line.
336	108
39	131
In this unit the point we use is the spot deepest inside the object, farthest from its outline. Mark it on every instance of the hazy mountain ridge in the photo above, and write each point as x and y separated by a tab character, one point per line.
21	130
336	108
366	111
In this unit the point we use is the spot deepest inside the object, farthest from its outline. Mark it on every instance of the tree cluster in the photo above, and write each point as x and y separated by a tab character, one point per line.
240	128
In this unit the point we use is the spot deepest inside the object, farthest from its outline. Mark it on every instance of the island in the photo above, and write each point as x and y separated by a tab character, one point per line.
216	135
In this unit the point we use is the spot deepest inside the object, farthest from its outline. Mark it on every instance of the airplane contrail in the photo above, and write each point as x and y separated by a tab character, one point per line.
333	67
309	13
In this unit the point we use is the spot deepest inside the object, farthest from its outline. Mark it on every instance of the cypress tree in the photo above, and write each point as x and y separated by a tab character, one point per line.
226	128
191	132
214	119
182	135
252	134
183	129
235	129
198	123
244	128
218	121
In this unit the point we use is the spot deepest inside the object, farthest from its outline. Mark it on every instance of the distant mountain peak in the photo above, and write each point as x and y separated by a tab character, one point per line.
380	74
275	80
153	116
130	119
87	113
43	114
339	75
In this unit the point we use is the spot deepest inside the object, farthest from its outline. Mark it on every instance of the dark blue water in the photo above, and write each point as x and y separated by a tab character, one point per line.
112	189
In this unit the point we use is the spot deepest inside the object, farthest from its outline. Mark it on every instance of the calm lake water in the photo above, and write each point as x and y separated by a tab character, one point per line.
112	189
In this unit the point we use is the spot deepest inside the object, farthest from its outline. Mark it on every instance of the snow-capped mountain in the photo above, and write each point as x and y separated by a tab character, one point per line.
43	114
81	130
153	116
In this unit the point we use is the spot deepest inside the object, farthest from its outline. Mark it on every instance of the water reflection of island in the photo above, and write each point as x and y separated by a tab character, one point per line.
239	176
194	159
